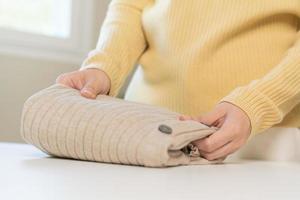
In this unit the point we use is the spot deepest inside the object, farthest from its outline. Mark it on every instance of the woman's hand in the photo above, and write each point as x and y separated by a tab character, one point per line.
234	130
90	82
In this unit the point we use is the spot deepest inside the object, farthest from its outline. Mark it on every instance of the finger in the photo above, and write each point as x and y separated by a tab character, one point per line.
221	152
63	79
212	117
90	90
185	117
76	83
216	140
219	122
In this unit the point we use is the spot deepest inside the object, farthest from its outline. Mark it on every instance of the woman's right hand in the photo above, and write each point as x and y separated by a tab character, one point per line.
90	82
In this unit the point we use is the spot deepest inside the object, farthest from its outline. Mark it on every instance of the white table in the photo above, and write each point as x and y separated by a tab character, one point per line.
27	173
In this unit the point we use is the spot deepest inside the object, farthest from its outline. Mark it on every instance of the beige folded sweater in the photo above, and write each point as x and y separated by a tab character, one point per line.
62	123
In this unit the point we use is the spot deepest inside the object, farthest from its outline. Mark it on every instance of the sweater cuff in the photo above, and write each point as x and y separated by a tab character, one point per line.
262	112
111	71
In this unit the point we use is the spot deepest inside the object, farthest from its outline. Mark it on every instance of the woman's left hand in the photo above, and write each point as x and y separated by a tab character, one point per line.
234	130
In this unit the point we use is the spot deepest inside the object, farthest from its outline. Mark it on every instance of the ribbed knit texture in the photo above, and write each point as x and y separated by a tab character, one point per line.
62	123
194	54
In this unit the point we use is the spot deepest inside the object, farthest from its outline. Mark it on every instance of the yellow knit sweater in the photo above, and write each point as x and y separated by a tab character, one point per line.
194	54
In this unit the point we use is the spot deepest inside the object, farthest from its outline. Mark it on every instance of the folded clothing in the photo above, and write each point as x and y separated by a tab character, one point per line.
62	123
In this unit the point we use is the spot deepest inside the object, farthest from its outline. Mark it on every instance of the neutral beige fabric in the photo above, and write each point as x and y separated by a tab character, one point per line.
60	122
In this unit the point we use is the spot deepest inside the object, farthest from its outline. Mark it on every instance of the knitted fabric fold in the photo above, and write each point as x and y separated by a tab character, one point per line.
62	123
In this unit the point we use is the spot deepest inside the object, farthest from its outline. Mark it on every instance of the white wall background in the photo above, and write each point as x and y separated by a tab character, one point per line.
20	77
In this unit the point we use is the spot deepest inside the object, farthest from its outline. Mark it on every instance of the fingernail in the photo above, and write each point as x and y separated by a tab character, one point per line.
87	92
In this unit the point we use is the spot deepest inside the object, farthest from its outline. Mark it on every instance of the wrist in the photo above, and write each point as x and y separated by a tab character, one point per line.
260	110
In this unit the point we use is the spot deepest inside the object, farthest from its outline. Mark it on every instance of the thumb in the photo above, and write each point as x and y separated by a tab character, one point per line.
210	118
91	89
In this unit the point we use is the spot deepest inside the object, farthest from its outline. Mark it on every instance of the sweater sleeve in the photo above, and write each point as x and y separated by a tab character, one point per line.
267	100
121	42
